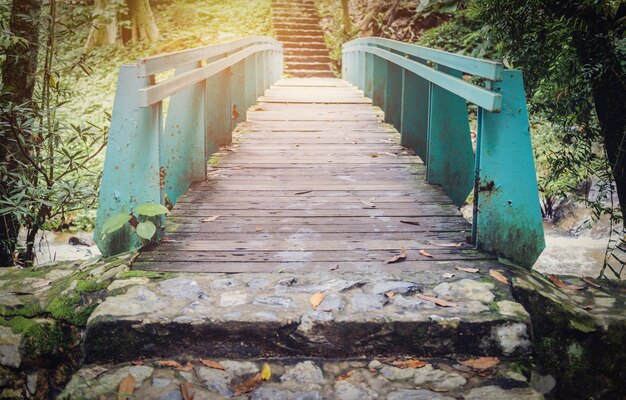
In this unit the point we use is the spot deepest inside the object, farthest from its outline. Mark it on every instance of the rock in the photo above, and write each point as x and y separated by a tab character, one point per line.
497	393
113	272
419	394
10	348
160	382
240	368
138	280
81	388
465	289
368	302
512	309
306	396
375	364
137	300
232	299
511	337
174	394
181	288
287	282
258	283
345	390
224	283
57	274
542	383
397	374
395	286
436	378
309	320
274	301
304	372
269	393
332	302
77	241
412	304
266	316
215	380
31	382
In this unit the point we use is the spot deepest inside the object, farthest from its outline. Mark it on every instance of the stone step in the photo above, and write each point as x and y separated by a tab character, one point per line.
307	65
305	45
294	8
299	32
296	59
310	74
292	378
306	52
302	38
271	315
294	25
303	18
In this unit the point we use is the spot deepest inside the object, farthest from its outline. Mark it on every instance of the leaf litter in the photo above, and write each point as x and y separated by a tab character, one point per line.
401	256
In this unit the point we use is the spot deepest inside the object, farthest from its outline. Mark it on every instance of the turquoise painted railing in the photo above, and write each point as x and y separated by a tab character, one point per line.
148	160
424	95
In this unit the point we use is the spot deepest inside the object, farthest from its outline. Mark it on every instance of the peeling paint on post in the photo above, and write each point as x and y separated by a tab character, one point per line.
450	153
183	139
131	173
509	216
415	114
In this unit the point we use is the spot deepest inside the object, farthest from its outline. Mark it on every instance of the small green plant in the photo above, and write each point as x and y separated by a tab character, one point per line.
144	228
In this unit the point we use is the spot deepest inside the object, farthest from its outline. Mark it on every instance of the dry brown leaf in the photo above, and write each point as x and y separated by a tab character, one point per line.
498	276
127	387
404	221
187	390
248	385
409	364
425	253
258	229
188	367
212	364
481	363
439	302
334	268
171	364
373	155
390	294
439	389
591	283
470	270
344	376
559	283
446	244
211	219
397	258
137	363
316	299
303	192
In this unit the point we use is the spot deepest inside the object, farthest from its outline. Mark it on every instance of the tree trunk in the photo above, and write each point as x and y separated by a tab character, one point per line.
108	30
19	73
347	24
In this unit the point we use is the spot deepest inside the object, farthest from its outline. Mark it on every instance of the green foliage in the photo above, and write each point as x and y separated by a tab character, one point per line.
70	309
90	286
151	210
145	229
115	222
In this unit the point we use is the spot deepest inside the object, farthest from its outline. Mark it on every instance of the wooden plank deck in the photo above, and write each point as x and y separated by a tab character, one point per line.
314	180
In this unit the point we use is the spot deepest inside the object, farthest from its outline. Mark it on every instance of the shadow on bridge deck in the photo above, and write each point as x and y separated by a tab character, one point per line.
314	180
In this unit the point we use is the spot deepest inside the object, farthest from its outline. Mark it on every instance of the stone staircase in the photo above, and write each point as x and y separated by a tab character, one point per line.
296	24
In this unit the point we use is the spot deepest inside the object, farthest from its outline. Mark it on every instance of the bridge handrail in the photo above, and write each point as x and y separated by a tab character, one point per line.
152	159
424	95
487	69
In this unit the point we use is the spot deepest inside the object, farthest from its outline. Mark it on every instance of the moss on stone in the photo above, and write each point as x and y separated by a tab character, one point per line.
69	309
27	310
146	274
41	337
90	286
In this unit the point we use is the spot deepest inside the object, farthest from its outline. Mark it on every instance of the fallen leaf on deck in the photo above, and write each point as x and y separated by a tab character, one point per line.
447	244
470	270
258	229
390	154
447	275
211	219
187	390
397	258
258	108
368	204
403	221
425	253
334	268
266	372
344	376
589	282
559	283
304	192
127	387
212	364
481	362
316	299
176	365
231	149
409	364
498	276
373	155
390	295
439	302
248	385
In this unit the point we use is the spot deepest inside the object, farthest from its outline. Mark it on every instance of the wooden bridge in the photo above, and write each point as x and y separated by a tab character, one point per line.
306	173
